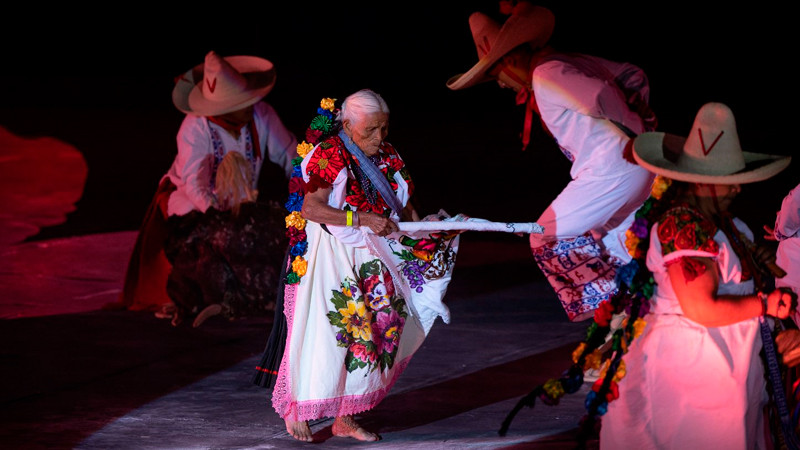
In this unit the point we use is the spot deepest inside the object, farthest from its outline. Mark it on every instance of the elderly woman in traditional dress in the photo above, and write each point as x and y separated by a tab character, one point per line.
695	378
351	322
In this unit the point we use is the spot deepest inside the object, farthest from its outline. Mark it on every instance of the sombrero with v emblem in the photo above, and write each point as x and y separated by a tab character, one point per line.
710	154
223	85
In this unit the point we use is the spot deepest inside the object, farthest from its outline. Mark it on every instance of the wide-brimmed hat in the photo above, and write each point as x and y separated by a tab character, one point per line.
527	24
223	85
710	154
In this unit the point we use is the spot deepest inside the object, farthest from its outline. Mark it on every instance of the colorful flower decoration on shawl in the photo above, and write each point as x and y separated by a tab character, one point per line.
370	318
636	285
321	126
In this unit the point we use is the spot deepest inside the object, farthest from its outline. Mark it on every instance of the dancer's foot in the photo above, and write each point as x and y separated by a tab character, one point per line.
299	430
167	311
346	426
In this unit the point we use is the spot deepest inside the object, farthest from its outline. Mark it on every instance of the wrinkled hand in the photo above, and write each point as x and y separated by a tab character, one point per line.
769	233
379	225
788	343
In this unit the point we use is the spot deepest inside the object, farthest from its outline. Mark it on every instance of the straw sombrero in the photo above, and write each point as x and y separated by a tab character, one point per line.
710	154
223	85
527	24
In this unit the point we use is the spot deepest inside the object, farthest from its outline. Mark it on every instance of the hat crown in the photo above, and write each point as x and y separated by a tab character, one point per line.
222	85
710	154
528	24
220	79
712	146
484	32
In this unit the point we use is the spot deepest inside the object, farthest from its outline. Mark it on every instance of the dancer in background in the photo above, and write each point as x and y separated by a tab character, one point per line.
592	107
787	233
355	312
695	377
218	257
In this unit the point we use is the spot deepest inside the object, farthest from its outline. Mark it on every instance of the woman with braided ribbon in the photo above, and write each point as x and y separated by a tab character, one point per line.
695	377
353	316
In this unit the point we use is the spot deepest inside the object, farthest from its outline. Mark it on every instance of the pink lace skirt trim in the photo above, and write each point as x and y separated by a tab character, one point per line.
287	407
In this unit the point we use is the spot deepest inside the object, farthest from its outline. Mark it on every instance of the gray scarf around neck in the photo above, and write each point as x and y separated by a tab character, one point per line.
374	174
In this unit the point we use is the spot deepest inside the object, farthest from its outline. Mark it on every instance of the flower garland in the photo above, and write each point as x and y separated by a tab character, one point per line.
633	297
321	127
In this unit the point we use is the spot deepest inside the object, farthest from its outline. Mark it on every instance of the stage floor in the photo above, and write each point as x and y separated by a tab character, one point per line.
77	376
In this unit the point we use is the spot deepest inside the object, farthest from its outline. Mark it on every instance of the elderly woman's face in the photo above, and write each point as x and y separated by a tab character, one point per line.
368	131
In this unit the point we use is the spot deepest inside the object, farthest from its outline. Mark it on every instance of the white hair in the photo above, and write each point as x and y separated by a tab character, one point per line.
361	103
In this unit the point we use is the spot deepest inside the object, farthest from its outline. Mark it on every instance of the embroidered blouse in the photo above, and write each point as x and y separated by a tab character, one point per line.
202	144
683	228
681	232
329	164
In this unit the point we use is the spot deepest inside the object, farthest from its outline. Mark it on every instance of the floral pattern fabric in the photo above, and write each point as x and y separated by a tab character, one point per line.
683	228
369	317
326	162
350	330
223	258
331	157
713	375
424	258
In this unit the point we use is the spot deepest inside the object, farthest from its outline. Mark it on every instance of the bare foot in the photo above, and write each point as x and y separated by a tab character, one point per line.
177	318
346	426
299	430
167	311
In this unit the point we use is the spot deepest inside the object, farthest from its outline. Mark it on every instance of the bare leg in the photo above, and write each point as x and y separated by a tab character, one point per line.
299	430
346	426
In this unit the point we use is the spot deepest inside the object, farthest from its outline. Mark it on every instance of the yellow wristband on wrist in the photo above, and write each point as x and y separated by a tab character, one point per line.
349	218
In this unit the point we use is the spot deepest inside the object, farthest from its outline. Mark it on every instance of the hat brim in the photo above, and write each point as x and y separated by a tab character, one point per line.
648	151
260	76
475	75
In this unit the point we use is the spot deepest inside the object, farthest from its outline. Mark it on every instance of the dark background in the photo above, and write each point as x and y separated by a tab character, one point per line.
100	78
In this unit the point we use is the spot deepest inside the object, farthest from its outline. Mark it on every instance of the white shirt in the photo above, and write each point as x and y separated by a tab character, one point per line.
192	168
576	108
787	231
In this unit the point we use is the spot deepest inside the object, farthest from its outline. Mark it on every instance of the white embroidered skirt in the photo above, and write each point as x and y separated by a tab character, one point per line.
350	331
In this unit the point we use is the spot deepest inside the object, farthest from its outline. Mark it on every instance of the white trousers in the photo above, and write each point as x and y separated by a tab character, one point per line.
604	207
